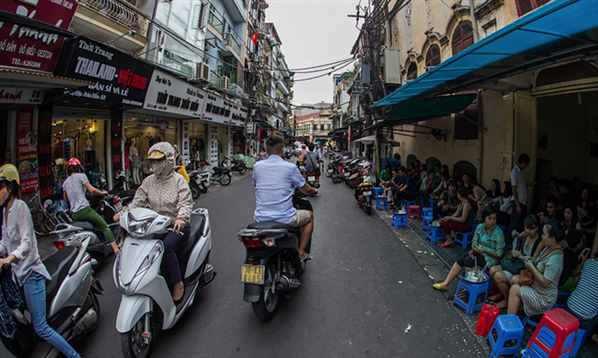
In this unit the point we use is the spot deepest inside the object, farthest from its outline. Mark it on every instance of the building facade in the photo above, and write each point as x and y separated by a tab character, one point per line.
313	123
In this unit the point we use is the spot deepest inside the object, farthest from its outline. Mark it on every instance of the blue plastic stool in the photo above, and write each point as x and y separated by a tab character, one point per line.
381	203
470	296
464	239
399	220
407	203
378	190
435	235
427	217
506	336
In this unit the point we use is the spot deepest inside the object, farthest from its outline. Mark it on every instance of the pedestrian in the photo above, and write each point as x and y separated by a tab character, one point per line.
520	195
18	251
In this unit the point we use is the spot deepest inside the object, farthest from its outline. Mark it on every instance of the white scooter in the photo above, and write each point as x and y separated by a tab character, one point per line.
146	305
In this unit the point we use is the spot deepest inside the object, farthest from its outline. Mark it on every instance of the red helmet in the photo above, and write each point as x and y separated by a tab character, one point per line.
74	162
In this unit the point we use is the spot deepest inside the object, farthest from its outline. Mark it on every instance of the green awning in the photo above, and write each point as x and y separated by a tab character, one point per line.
421	109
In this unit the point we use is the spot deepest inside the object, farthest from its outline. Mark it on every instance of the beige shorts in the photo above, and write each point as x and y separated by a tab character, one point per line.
301	218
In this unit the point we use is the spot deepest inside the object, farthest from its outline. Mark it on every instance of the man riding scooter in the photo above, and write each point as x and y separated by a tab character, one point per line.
275	183
311	161
167	193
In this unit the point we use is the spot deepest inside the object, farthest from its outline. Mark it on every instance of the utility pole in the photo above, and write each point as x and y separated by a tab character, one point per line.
474	21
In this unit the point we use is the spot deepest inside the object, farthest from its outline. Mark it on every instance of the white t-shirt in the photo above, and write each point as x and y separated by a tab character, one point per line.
74	187
519	184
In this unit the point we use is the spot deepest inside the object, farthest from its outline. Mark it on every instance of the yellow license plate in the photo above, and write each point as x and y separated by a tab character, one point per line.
253	274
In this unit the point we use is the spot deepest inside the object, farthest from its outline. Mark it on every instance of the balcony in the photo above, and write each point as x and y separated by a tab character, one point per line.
215	23
115	22
233	43
236	9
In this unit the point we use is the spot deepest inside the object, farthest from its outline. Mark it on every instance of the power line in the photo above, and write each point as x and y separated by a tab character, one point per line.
323	75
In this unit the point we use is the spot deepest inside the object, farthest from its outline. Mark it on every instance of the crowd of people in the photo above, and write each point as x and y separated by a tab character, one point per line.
537	257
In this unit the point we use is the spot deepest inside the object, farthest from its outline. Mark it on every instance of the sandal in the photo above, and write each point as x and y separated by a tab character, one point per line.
446	244
438	286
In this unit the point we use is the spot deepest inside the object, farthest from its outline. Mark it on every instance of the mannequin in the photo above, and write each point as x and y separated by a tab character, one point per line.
135	162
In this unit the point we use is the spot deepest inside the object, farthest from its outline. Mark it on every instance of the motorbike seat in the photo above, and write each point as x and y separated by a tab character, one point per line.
85	225
272	225
221	170
58	266
198	222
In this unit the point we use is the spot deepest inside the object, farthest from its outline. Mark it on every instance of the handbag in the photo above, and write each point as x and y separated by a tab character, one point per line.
512	264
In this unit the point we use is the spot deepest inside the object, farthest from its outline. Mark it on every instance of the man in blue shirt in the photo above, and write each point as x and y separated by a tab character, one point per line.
275	183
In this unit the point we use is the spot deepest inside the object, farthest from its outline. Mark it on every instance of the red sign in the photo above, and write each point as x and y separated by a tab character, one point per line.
27	150
29	47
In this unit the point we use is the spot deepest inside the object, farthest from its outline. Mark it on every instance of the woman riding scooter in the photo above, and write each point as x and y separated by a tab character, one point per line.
74	188
167	193
18	250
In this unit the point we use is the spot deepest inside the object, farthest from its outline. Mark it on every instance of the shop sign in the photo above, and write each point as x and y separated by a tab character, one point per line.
169	94
27	150
29	47
118	78
20	95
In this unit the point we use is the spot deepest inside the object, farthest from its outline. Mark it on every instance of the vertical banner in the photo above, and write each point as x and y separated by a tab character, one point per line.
116	138
213	145
27	150
44	154
186	144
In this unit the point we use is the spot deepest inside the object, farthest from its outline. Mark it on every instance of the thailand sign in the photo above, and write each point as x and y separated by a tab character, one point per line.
29	47
169	94
118	78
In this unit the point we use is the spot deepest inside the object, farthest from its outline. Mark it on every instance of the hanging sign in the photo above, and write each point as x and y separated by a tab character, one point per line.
118	78
20	95
29	47
169	94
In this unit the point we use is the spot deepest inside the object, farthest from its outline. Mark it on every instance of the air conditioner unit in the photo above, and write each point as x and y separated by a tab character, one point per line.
202	72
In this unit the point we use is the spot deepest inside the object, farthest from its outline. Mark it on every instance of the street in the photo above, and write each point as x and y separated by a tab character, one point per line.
351	304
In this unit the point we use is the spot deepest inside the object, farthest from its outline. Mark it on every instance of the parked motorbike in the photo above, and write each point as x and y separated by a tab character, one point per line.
235	165
272	264
222	175
198	182
146	305
73	306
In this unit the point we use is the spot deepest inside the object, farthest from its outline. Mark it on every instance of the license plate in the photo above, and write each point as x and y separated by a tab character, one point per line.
253	274
311	178
367	193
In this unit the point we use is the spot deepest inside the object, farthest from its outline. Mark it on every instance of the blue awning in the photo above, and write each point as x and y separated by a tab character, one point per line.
555	29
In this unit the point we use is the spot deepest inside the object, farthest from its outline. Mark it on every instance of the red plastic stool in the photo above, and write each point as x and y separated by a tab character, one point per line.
555	335
414	211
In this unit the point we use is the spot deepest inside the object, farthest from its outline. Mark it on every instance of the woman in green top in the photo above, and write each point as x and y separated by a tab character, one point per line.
486	249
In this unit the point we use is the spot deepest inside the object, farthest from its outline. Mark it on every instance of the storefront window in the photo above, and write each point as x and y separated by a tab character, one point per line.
196	131
141	132
83	139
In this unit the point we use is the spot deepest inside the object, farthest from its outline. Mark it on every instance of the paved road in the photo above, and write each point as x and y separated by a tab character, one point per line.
351	305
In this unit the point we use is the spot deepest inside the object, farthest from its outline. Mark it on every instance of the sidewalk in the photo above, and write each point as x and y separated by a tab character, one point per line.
436	262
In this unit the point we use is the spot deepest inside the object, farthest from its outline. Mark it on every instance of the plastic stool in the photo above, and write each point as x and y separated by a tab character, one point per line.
506	336
579	336
435	234
555	335
399	220
470	296
405	204
414	211
464	239
381	203
427	218
378	190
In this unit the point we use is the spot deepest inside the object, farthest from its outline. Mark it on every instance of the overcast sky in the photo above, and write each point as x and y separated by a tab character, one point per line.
313	32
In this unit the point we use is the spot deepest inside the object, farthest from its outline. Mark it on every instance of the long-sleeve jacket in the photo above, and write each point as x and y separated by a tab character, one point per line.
18	239
169	197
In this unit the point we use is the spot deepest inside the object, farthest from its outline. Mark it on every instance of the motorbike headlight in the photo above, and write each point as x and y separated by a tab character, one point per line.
139	227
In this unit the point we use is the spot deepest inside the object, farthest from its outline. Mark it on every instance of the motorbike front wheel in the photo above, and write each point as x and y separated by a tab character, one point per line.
265	308
134	344
225	179
195	192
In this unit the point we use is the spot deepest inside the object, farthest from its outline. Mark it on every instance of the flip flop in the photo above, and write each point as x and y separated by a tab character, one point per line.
446	244
438	286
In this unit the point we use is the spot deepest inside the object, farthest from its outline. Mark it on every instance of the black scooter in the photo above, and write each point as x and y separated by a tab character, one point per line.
272	265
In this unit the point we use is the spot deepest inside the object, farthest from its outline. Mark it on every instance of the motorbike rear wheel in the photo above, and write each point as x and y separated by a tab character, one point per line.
242	169
265	308
133	344
225	179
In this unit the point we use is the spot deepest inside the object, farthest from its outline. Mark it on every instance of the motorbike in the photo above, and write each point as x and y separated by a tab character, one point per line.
363	194
272	264
235	165
199	180
146	305
222	175
72	300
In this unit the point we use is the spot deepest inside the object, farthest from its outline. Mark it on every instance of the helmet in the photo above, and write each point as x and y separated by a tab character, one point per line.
161	150
74	162
9	173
